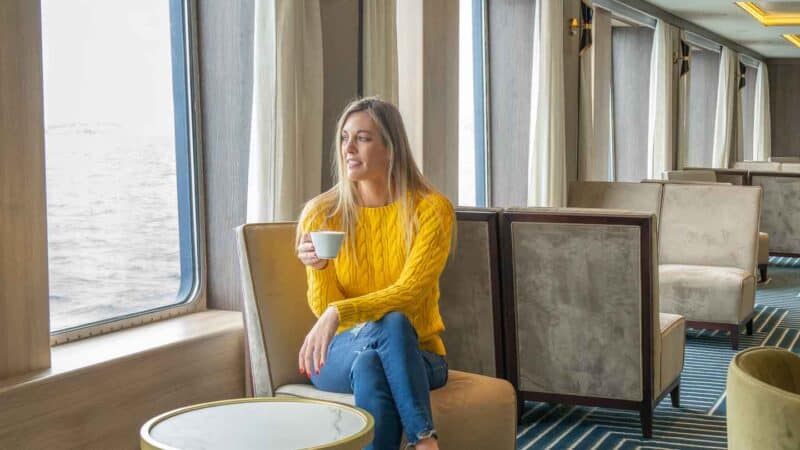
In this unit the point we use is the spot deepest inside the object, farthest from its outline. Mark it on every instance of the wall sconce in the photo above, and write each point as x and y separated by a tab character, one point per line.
676	57
575	26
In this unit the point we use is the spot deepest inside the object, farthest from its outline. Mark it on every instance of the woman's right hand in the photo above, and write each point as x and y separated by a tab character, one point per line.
308	254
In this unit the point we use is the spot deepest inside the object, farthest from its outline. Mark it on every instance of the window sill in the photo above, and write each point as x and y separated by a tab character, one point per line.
87	354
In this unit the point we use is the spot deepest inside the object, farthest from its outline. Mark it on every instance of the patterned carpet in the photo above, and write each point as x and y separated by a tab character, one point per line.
700	421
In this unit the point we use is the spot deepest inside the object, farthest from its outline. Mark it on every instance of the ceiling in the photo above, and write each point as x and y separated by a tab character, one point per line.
726	19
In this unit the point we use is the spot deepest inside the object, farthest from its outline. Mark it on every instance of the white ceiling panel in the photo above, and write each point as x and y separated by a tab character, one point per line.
728	20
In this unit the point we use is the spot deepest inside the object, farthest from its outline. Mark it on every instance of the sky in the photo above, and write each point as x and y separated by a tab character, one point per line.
108	61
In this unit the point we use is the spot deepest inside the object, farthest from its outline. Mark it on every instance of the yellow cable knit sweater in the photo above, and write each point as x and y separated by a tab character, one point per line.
379	278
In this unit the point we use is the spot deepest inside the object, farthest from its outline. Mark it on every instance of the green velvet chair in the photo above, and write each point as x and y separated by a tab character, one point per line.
764	400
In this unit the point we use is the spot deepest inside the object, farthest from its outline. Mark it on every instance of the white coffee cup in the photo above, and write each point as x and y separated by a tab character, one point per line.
327	243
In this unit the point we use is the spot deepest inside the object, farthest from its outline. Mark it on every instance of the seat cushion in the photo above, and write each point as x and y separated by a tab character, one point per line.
673	338
763	248
706	293
469	412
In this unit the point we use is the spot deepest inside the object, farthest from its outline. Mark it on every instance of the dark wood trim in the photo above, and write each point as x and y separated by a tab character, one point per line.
605	402
491	217
734	328
758	173
762	272
646	225
790	255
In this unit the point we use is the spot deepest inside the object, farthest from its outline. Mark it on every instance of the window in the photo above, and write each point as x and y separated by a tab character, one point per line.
631	48
471	135
703	81
119	165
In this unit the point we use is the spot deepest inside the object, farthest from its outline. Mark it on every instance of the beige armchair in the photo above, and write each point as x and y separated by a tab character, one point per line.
581	310
470	412
708	240
763	409
717	176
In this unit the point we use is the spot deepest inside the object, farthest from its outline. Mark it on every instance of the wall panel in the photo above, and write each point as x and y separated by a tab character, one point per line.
24	298
784	96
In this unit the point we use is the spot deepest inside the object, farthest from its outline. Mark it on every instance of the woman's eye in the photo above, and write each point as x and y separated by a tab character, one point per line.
363	138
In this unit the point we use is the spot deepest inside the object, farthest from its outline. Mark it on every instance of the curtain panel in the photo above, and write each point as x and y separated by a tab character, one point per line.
725	117
661	136
379	44
762	135
286	124
547	173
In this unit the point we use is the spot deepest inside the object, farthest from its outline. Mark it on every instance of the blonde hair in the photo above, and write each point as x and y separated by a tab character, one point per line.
406	184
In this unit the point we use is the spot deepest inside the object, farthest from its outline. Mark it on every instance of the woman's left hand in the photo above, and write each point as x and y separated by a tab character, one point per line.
314	351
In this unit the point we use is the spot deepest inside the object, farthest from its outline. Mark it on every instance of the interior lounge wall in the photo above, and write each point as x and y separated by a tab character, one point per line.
784	96
510	61
225	47
225	39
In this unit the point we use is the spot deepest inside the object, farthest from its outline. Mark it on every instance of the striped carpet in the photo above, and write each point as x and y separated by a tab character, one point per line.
700	421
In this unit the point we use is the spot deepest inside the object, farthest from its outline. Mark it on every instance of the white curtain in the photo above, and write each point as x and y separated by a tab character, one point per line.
379	43
727	91
596	133
661	129
547	177
762	135
286	124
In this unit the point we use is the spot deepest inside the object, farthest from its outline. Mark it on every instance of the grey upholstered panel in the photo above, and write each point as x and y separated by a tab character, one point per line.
780	214
465	301
705	175
615	195
578	294
709	225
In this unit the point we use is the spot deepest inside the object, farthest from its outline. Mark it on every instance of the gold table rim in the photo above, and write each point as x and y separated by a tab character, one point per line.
148	443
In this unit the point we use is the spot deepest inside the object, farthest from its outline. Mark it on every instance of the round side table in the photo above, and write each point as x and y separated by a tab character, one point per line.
279	423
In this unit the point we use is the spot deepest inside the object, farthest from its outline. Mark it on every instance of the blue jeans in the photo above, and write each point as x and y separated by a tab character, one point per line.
382	365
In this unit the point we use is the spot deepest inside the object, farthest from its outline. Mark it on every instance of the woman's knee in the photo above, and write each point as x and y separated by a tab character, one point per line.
366	365
397	323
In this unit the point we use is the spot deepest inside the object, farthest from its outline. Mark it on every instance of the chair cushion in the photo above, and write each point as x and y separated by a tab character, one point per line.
763	248
706	293
673	338
469	412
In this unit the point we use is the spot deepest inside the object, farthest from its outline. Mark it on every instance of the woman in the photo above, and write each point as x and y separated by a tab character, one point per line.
377	333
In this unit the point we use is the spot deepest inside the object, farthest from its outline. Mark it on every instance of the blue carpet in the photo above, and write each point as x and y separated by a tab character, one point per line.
700	421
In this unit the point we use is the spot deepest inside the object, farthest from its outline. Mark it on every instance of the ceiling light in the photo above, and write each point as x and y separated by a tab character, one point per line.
793	38
769	19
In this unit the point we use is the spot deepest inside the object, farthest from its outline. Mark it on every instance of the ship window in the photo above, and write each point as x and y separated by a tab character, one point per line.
121	203
471	105
703	81
631	48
